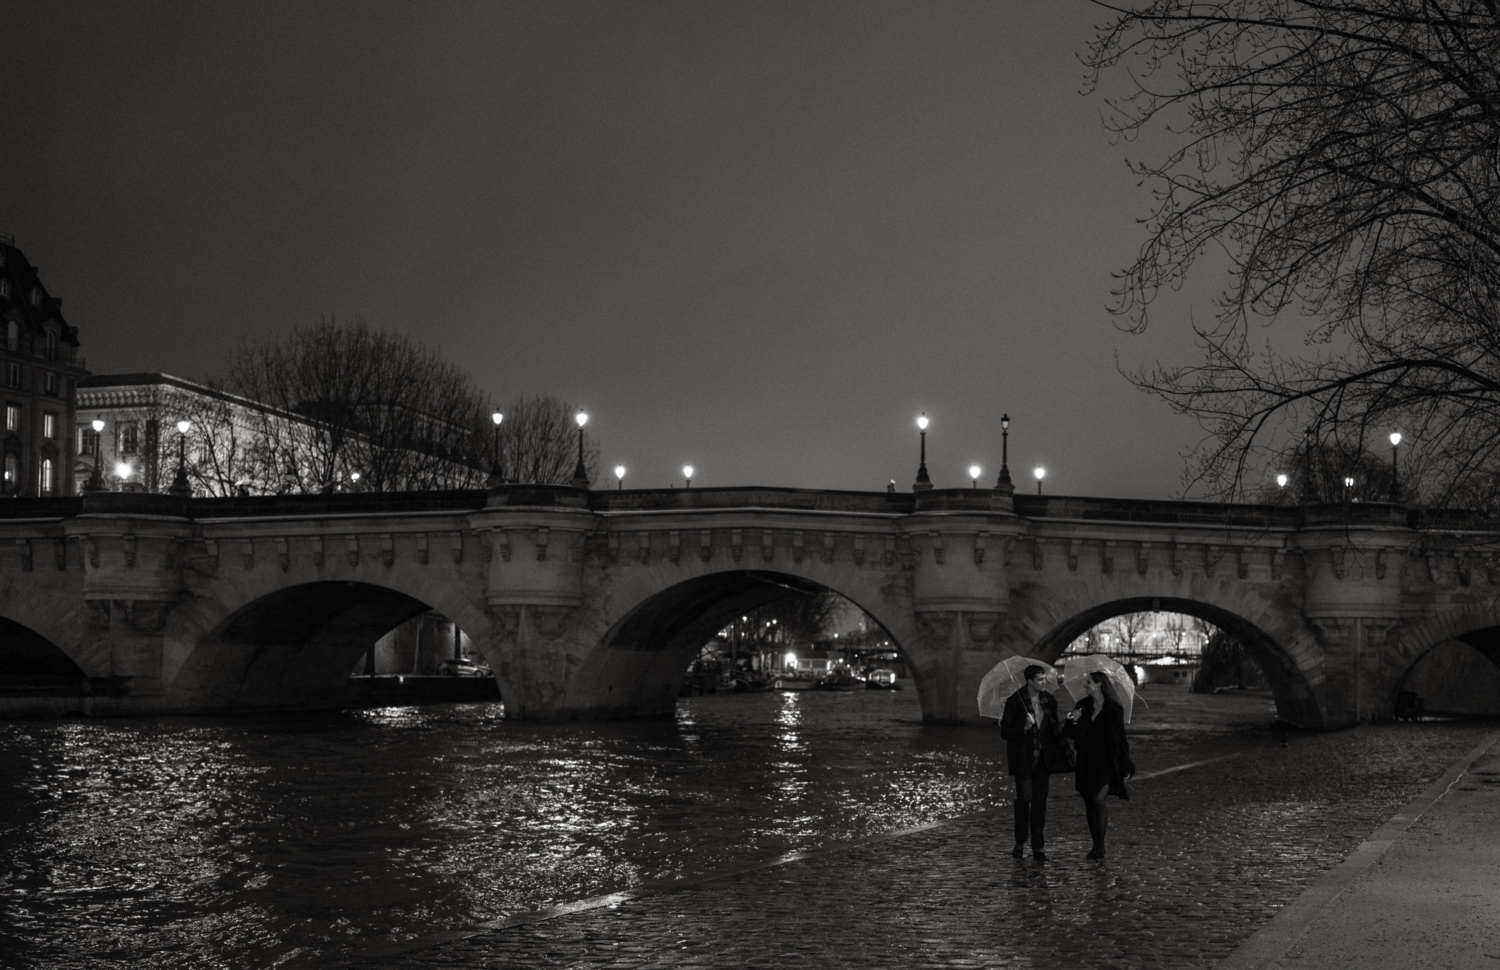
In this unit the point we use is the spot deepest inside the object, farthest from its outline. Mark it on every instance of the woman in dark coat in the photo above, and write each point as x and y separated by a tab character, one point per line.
1097	727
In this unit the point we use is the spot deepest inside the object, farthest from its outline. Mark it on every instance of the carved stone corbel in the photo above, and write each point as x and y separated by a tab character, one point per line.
543	538
612	545
797	547
939	553
643	547
1461	567
1210	560
705	545
859	549
1036	552
828	547
351	550
210	549
1072	555
247	554
1142	558
387	550
674	545
26	554
980	541
320	552
1242	565
283	554
93	543
1277	557
981	625
422	548
767	545
457	540
1107	560
1336	561
736	544
1380	564
1172	560
890	551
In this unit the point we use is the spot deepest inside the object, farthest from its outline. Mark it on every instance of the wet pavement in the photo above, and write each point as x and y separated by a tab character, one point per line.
340	840
1199	859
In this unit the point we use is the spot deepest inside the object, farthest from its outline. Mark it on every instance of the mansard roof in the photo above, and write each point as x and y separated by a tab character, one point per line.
23	279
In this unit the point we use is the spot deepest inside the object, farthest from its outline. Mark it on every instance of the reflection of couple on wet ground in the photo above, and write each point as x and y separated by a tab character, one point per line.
1090	742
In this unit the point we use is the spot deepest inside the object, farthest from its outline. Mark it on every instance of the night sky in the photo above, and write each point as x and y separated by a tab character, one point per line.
757	237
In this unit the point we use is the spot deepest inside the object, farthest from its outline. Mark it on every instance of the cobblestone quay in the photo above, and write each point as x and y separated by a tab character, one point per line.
1199	858
333	840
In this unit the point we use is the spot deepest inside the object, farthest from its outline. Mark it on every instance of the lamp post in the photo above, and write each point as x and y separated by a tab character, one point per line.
1348	484
1003	482
580	474
923	482
974	474
96	477
122	472
1395	486
497	474
180	486
620	476
1281	480
687	473
1040	474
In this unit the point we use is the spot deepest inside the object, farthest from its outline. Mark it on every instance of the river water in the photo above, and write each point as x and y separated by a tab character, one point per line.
299	839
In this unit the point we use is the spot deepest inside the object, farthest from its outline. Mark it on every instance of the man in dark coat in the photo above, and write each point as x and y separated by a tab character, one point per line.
1034	750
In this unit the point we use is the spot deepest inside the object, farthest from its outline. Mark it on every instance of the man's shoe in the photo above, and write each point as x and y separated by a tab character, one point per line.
1039	855
1018	851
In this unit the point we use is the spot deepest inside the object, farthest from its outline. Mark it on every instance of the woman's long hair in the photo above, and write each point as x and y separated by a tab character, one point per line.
1106	688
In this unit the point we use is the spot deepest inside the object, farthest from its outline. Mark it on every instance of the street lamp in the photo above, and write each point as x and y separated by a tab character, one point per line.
580	474
620	476
497	474
1004	480
1281	480
1040	474
1348	484
923	481
96	477
974	474
180	484
1395	487
687	473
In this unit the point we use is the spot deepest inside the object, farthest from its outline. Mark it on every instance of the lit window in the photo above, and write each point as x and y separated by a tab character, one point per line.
129	444
49	425
12	472
45	478
12	417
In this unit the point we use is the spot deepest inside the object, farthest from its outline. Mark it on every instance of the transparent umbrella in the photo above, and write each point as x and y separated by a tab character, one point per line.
1007	677
1077	669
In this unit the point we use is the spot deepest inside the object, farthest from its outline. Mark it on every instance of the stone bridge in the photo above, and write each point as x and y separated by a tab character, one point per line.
590	604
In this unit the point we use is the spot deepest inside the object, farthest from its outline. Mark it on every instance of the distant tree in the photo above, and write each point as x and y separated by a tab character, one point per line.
367	402
1345	158
539	442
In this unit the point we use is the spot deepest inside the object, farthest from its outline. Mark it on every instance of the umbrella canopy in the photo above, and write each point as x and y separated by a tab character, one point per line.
1077	669
1007	677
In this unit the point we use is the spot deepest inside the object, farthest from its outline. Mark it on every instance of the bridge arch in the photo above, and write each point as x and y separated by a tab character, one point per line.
1476	625
1273	645
646	641
287	640
31	663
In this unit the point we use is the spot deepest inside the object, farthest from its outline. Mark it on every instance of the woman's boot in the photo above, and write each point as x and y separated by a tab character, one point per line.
1091	811
1101	814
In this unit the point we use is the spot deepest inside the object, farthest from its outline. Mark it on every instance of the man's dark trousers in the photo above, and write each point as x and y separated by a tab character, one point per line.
1031	806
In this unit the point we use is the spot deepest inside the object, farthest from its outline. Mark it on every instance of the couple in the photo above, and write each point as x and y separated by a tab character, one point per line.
1036	750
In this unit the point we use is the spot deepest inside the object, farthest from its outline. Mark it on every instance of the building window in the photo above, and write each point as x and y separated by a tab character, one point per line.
85	440
129	440
12	336
49	425
12	472
50	382
4	289
44	479
12	375
36	297
12	417
51	344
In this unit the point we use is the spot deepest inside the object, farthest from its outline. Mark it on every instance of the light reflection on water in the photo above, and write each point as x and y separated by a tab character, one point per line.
246	841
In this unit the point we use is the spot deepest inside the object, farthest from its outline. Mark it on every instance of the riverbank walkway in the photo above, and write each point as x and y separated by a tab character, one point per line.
1422	891
1322	876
